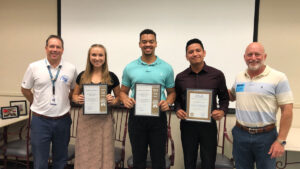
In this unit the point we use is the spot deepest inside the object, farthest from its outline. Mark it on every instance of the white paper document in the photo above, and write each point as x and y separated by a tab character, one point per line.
143	100
91	99
199	105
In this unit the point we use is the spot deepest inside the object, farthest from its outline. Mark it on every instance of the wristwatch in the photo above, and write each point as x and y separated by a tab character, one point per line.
282	142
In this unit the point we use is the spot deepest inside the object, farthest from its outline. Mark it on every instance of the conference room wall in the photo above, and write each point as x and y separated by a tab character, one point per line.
279	26
26	24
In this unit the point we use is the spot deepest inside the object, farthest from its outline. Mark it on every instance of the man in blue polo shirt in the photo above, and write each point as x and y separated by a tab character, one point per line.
144	130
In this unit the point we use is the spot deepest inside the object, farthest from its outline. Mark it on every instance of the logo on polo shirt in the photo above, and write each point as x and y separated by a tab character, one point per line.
64	78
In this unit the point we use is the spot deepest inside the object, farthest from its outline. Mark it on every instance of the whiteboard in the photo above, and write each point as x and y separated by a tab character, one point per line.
224	27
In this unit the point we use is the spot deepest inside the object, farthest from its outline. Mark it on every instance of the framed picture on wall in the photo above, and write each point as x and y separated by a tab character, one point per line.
22	105
9	112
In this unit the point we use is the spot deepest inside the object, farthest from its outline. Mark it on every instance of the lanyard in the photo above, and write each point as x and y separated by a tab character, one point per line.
51	77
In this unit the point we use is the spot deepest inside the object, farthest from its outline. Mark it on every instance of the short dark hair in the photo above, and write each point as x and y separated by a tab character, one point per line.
192	41
57	37
147	31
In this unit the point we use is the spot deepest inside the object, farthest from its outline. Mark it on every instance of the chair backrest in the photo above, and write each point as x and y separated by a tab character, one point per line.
222	134
120	117
170	141
28	133
74	113
22	132
1	136
19	148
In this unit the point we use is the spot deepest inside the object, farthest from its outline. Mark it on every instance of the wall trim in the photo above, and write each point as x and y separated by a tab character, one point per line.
296	106
10	94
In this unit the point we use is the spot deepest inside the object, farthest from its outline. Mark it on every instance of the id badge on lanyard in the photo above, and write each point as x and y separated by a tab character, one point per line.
53	80
53	100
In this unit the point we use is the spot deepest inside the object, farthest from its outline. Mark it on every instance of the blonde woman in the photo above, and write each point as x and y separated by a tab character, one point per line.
94	142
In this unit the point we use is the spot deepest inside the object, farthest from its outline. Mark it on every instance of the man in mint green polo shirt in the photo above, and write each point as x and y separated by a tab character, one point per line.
145	130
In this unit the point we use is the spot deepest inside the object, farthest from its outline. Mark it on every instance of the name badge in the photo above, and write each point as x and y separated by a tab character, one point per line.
240	87
53	101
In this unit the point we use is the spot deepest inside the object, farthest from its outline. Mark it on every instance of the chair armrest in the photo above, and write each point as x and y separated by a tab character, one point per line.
125	134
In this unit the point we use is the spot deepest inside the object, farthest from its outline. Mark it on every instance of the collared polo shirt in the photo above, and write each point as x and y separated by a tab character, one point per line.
37	78
158	72
258	99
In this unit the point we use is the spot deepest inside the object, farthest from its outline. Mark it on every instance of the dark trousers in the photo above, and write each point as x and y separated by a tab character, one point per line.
45	131
144	131
193	134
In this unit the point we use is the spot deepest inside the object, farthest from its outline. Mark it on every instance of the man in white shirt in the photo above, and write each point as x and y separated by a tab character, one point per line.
48	85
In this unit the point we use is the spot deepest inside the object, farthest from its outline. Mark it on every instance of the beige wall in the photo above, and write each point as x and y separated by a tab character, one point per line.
279	26
26	24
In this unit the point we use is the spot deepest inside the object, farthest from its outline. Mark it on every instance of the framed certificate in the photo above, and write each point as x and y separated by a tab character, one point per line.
147	97
198	105
95	99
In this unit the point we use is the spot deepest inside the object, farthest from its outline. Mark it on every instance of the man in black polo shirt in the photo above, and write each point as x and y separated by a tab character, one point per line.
200	76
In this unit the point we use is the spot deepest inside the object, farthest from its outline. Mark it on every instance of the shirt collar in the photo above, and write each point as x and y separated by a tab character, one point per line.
204	69
264	73
48	64
157	61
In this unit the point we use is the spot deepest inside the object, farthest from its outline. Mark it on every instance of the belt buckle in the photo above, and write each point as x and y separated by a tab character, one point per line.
252	130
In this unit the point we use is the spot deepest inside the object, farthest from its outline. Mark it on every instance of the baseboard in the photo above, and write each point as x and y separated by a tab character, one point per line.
13	164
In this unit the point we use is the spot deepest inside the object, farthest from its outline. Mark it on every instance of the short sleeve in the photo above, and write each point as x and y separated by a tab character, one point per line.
283	92
114	79
79	77
170	79
74	79
28	80
178	99
125	78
